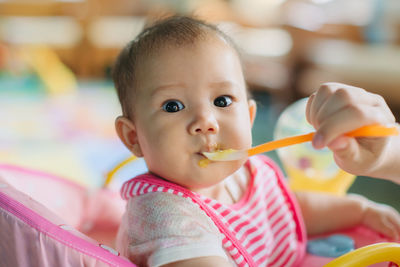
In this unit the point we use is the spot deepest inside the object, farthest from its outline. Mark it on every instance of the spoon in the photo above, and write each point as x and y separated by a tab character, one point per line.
375	130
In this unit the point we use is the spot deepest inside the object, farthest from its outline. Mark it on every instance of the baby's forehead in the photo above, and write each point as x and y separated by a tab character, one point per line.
160	54
209	37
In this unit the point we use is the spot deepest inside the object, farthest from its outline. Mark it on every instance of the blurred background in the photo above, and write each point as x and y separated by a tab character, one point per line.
58	105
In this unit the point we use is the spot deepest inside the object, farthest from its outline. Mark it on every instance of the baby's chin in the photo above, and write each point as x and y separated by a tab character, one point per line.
219	171
197	177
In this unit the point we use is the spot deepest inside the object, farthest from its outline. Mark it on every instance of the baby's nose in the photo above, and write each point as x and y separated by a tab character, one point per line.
204	124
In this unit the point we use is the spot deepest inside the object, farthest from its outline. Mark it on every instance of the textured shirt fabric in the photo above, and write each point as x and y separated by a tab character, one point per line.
166	223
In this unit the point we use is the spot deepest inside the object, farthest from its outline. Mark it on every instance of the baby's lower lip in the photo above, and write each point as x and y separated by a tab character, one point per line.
201	154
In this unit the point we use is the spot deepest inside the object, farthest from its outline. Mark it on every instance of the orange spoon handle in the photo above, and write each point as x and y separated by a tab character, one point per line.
375	130
287	141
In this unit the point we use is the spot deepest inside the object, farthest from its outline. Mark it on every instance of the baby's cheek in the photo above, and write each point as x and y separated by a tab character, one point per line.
243	140
242	133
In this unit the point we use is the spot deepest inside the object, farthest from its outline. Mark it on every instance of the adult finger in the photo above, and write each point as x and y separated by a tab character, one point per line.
345	97
345	120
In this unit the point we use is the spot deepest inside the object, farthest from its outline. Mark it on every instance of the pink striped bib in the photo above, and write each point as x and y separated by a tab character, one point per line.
264	228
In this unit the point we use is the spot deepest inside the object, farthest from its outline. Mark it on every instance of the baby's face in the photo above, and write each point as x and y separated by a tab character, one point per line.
190	100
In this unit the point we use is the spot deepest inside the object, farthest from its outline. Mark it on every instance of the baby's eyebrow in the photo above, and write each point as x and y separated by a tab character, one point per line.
224	84
167	87
215	85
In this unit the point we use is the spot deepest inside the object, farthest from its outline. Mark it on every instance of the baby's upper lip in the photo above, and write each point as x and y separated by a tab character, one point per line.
209	147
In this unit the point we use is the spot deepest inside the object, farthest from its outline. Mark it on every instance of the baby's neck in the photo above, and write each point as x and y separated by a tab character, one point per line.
230	190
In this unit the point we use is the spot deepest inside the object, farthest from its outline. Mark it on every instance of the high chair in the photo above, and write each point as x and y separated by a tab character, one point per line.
49	221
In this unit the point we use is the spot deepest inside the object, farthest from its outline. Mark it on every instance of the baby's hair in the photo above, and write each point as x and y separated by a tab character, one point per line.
175	31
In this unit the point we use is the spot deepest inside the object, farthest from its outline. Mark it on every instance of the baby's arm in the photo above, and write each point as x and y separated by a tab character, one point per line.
200	262
324	213
335	109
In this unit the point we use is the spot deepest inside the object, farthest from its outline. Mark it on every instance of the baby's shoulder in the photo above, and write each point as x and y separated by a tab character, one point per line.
159	202
165	214
163	207
160	223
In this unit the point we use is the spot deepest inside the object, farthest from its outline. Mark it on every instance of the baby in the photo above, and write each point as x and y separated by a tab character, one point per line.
182	92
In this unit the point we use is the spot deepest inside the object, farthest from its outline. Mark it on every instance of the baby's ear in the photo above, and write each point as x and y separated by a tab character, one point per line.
126	131
252	110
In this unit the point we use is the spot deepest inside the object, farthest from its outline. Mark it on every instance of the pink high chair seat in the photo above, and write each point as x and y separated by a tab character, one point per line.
31	234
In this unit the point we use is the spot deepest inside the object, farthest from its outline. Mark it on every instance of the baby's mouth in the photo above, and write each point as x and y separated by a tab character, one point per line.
201	154
208	148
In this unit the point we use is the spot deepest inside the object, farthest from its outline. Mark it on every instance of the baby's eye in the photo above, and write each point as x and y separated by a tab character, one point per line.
173	106
223	101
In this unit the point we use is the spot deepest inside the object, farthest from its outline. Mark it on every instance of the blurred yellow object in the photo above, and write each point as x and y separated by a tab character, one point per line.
57	77
309	169
315	179
301	180
111	174
368	255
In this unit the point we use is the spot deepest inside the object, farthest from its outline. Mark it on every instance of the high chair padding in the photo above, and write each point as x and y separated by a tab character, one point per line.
32	235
